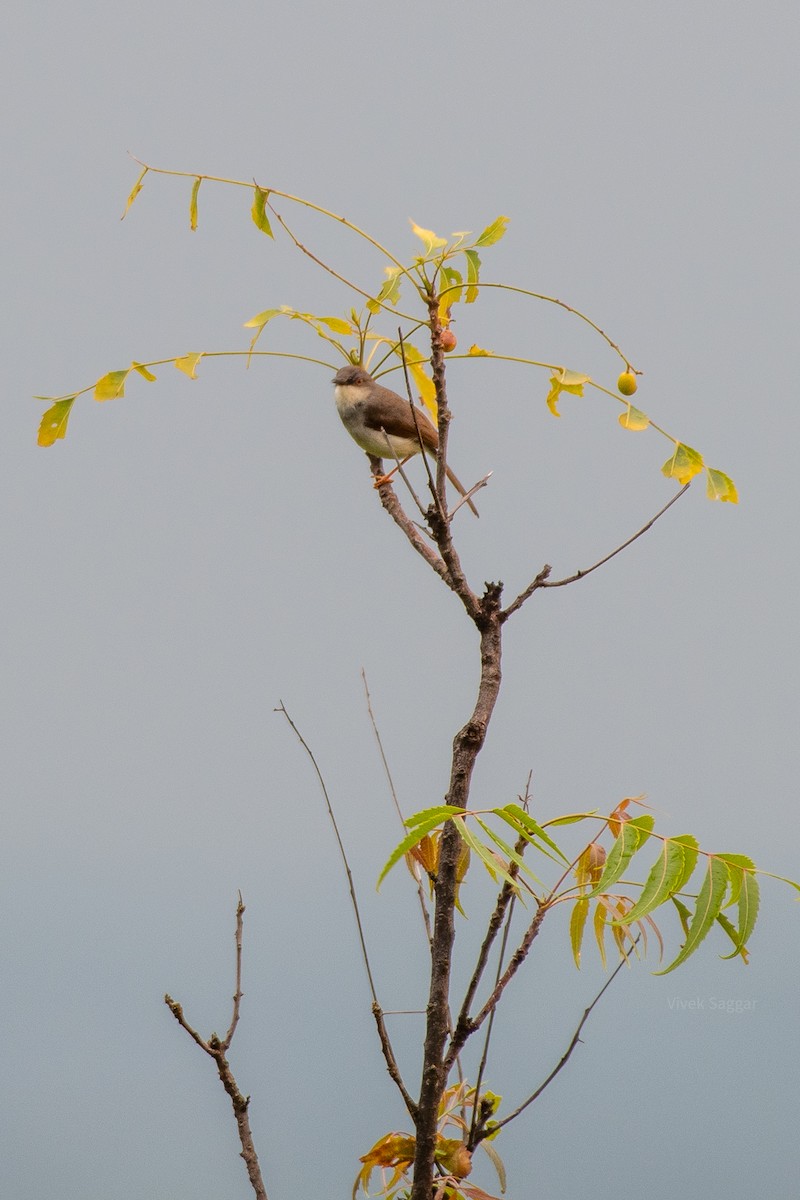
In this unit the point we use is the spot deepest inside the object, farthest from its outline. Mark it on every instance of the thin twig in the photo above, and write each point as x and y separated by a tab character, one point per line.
420	890
542	581
217	1049
576	1037
351	886
386	1047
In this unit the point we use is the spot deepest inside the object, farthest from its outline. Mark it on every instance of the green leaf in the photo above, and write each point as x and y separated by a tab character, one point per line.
488	859
188	364
523	822
667	875
473	274
577	924
53	424
509	851
492	233
419	831
111	385
690	851
632	837
443	811
684	464
193	204
707	908
259	210
142	370
745	886
720	486
573	818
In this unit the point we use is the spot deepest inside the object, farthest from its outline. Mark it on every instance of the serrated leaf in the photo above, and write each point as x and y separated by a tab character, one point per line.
744	886
417	834
573	818
53	424
492	233
112	385
259	210
509	851
443	811
193	204
599	925
142	370
684	464
633	836
188	364
524	823
666	876
488	859
707	908
428	238
473	274
137	187
577	924
720	486
634	419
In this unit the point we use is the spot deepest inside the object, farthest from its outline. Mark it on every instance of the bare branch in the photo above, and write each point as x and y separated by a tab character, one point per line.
391	1062
343	853
420	890
542	580
216	1049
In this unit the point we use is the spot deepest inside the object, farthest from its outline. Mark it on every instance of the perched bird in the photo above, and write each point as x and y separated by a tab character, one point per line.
370	412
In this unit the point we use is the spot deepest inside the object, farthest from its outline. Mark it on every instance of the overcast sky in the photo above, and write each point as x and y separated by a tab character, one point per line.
196	552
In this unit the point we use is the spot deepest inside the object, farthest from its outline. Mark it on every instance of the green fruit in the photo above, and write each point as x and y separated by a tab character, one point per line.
627	383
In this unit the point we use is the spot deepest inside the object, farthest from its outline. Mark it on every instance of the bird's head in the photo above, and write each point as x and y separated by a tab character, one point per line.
351	376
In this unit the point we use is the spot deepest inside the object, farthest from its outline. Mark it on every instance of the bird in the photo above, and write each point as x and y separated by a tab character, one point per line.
370	412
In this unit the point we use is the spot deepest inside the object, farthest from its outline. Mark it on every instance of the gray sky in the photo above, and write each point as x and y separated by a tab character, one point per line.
196	552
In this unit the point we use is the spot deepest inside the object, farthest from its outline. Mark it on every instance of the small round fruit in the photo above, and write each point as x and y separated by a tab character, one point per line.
627	383
448	340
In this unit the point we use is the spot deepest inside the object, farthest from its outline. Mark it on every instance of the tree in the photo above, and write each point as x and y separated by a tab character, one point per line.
441	844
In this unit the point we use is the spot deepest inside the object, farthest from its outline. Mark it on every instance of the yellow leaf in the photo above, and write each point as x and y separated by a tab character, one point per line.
564	381
390	290
720	486
427	390
684	464
137	187
633	419
259	321
111	385
188	364
193	204
143	371
54	422
428	238
258	211
336	324
478	352
492	233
